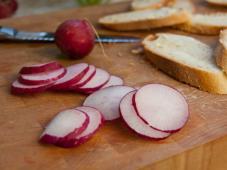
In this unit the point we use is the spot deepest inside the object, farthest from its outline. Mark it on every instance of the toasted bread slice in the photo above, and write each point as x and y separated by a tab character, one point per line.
145	19
150	4
208	24
218	2
221	51
186	59
184	4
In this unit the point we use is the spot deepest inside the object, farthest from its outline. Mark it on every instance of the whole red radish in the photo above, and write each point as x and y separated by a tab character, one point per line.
75	38
7	8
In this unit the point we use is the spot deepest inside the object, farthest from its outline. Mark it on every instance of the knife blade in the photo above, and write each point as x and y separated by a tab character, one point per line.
9	33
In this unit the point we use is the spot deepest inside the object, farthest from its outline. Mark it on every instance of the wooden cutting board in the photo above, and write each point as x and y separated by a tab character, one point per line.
22	118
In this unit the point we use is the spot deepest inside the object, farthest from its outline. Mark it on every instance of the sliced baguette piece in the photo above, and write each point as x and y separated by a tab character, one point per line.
186	59
145	19
150	4
208	24
185	5
221	51
217	2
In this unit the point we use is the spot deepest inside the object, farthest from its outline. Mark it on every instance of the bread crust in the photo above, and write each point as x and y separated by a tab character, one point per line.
199	29
221	51
177	18
154	6
213	2
204	80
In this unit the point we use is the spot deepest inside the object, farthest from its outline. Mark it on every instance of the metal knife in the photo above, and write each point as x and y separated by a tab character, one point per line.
8	33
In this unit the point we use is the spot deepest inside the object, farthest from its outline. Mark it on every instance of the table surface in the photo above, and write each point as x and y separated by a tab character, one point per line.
211	156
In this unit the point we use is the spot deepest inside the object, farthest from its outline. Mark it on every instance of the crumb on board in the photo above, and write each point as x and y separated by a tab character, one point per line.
132	64
119	54
137	50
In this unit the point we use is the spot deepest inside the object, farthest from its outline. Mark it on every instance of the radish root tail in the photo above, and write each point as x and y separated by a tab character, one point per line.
97	35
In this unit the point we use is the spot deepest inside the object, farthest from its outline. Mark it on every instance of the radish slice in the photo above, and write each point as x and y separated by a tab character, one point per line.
87	77
100	78
134	122
95	123
38	68
161	107
65	127
42	78
18	88
107	100
114	81
73	74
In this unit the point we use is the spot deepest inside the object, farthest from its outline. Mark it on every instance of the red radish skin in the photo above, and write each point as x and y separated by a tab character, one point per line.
75	38
73	74
87	77
114	81
18	88
64	128
134	122
42	78
96	121
161	107
107	100
7	8
100	78
39	68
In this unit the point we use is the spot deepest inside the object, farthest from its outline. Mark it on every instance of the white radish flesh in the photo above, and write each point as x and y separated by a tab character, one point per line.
19	88
39	68
73	74
107	100
95	122
135	123
100	78
42	78
161	107
87	77
65	127
114	81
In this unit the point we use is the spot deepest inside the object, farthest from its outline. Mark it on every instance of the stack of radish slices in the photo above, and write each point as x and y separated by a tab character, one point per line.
154	111
81	77
72	127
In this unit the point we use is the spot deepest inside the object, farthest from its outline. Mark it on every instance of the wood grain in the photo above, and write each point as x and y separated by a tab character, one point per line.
211	156
114	146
